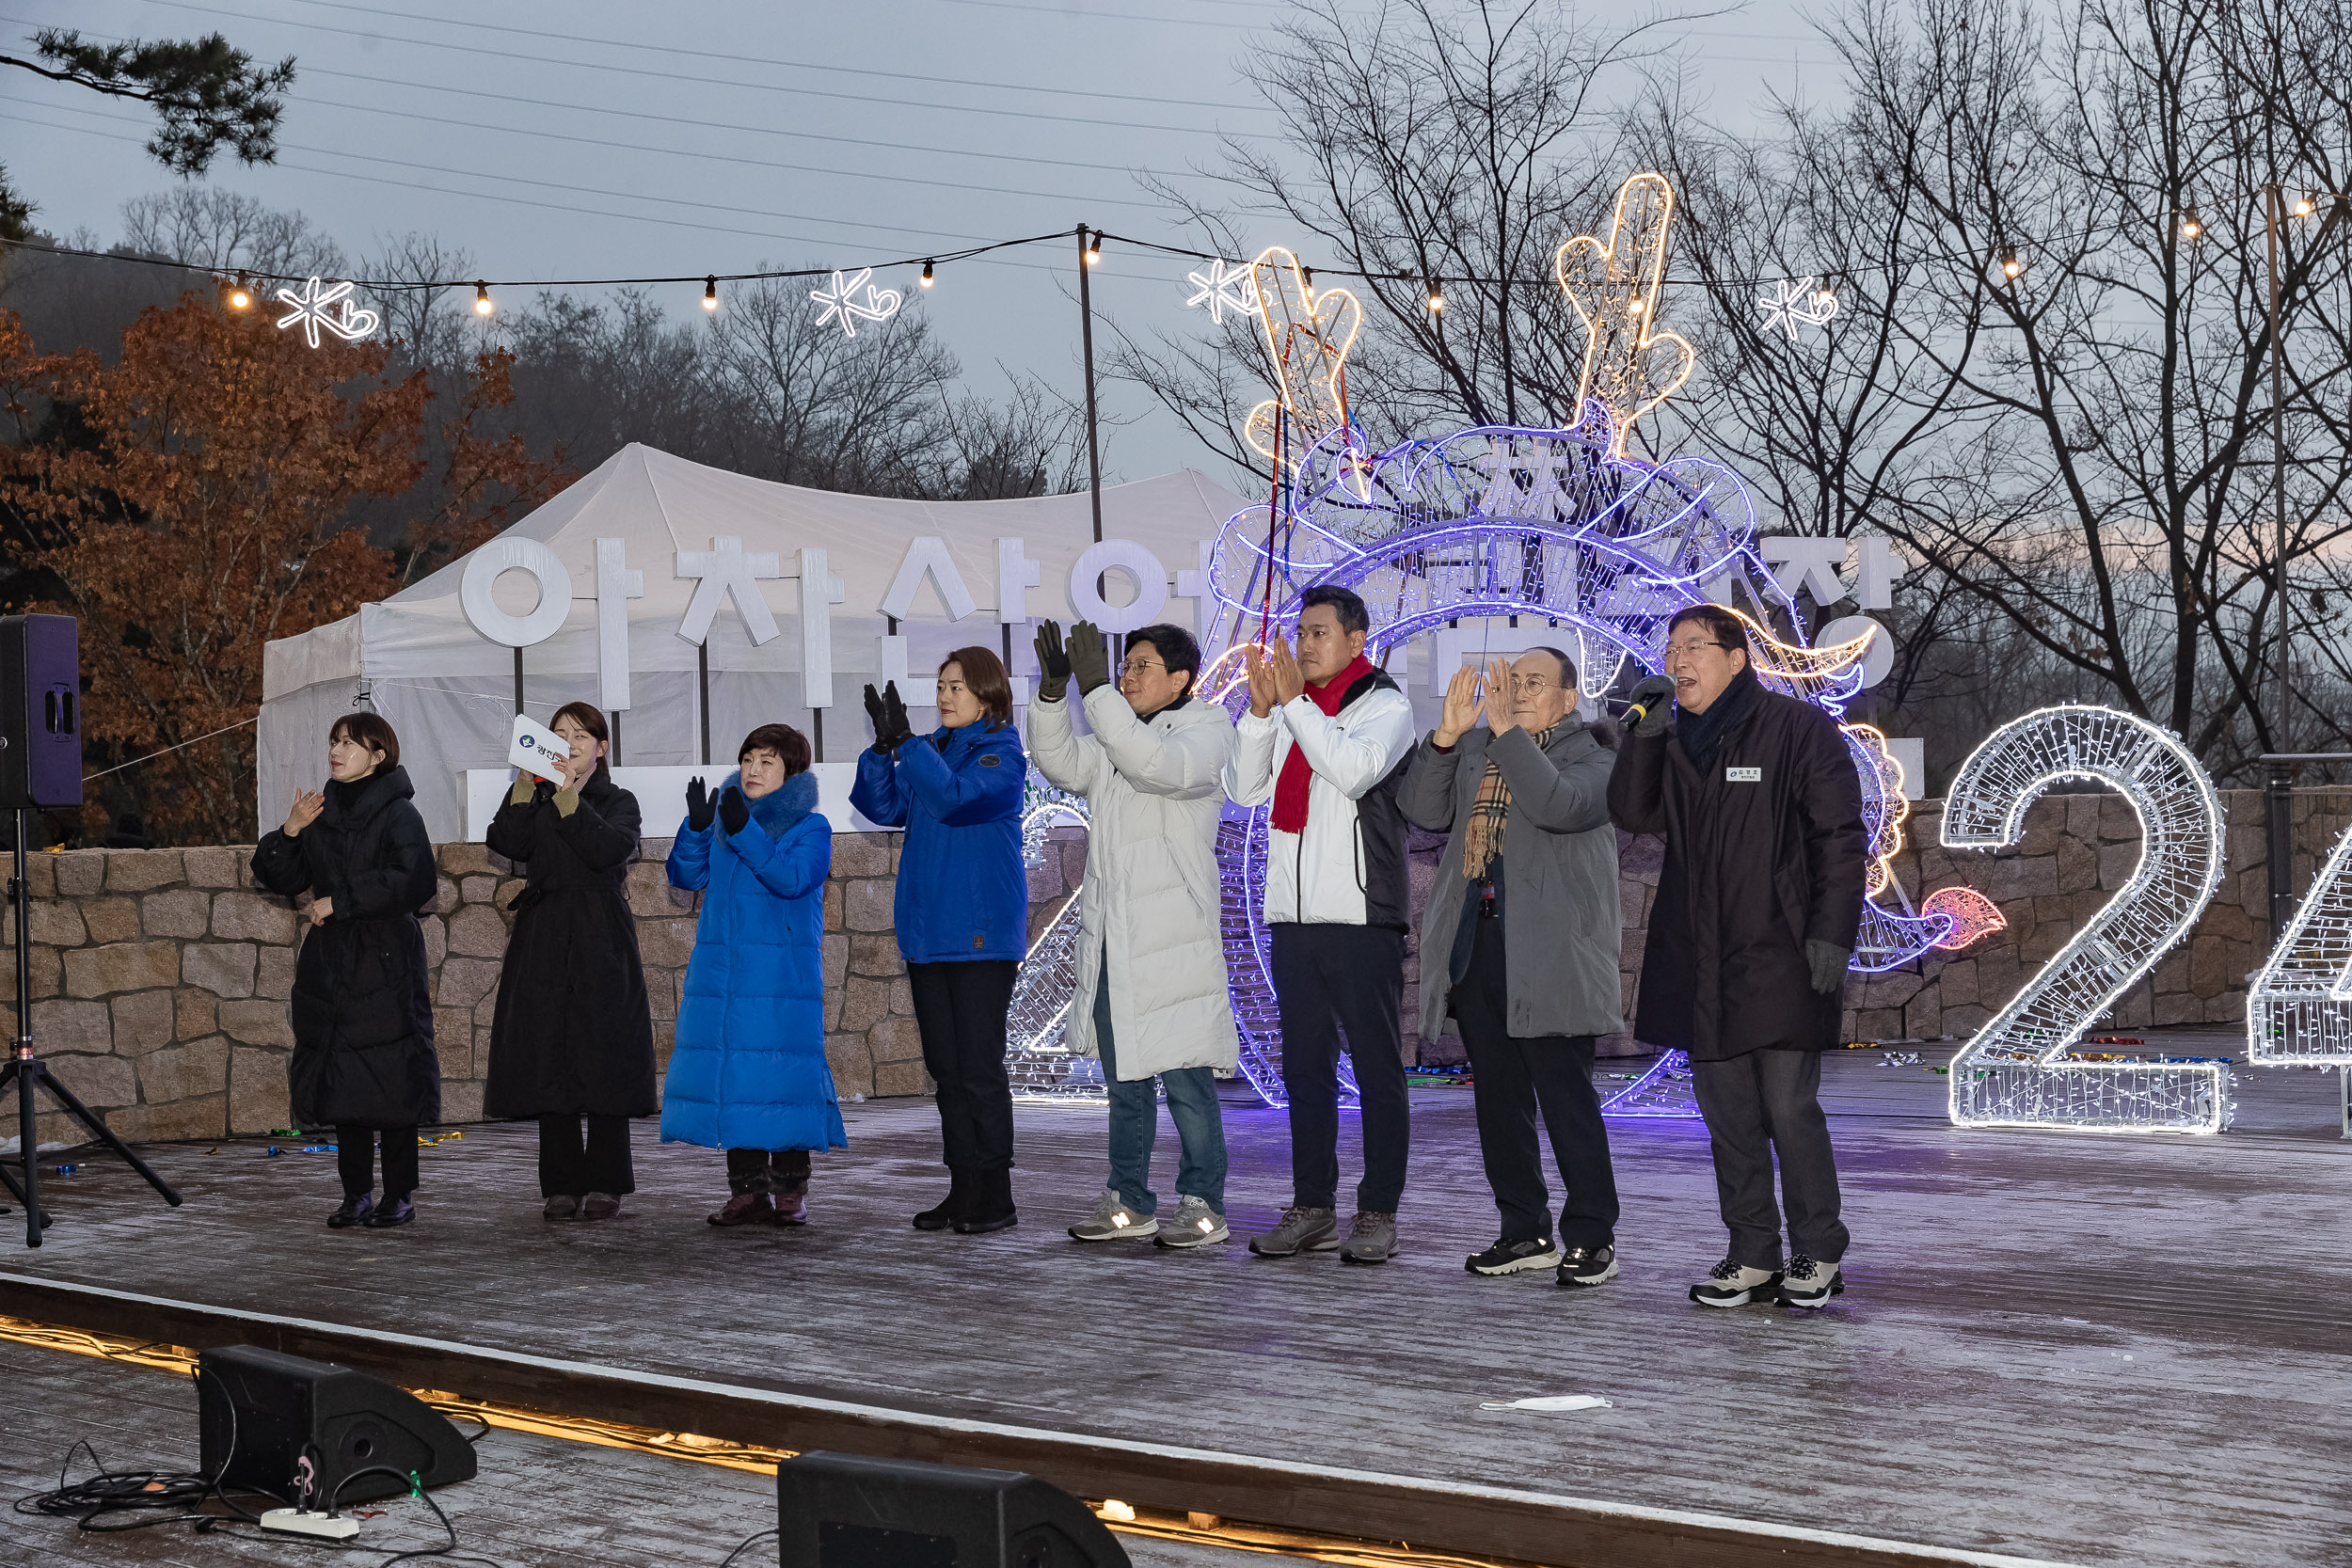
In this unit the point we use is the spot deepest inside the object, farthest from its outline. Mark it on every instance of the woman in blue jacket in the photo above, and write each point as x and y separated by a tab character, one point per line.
963	912
748	1073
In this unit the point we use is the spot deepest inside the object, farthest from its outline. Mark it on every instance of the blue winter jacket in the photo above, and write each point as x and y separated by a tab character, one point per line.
749	1070
963	892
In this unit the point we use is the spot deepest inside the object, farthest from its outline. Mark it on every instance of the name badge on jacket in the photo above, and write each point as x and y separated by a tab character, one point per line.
1743	775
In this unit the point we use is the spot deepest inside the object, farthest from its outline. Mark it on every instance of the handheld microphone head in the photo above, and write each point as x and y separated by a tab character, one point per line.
1646	696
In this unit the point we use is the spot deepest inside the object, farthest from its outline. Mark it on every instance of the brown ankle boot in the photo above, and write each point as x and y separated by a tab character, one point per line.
746	1208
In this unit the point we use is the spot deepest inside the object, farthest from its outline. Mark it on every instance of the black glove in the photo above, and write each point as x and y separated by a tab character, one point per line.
1828	963
698	805
894	714
734	811
1053	663
874	713
1088	661
1655	695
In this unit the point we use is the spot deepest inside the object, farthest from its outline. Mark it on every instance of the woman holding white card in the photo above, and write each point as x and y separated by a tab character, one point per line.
572	1042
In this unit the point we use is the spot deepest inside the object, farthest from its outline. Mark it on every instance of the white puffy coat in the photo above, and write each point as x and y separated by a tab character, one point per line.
1152	896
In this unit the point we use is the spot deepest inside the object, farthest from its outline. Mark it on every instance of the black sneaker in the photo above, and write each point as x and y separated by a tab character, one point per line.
391	1211
354	1212
1509	1257
1808	1283
1588	1265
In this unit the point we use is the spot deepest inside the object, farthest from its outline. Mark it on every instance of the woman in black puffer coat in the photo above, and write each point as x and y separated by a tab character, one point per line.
363	1058
573	1038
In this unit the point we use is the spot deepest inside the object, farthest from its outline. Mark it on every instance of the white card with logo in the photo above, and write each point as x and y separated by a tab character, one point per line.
538	750
1743	775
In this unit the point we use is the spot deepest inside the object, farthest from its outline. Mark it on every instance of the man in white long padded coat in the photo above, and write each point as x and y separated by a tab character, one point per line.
1150	1001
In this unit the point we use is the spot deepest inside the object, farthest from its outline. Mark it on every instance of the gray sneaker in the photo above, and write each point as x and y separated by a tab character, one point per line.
1196	1225
1112	1221
1301	1230
1371	1238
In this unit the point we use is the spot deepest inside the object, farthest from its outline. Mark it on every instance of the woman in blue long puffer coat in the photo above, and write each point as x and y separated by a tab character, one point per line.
748	1073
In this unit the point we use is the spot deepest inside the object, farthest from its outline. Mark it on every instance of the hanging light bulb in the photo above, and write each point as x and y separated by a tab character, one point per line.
1095	249
710	292
925	279
482	306
2305	206
2010	265
1437	298
240	297
2191	226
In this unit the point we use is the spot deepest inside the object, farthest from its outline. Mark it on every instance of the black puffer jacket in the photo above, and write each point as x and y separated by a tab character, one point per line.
362	1022
1765	851
574	1031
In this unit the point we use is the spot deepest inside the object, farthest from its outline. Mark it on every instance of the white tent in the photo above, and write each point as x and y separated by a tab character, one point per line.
947	575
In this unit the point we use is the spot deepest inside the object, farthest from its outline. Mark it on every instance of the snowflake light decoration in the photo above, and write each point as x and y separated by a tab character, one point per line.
1794	303
854	299
322	307
1226	286
2018	1070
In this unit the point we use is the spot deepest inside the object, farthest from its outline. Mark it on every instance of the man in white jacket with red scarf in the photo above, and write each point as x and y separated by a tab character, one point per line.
1327	739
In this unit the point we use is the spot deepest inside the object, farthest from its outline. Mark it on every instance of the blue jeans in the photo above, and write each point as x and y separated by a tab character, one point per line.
1136	1123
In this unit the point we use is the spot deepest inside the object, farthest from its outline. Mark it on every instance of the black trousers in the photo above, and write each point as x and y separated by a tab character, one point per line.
756	1170
572	1165
1764	1103
355	1160
1512	1077
959	1011
1331	981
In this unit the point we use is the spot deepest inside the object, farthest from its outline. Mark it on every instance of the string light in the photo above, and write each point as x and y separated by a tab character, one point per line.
1307	336
482	306
240	297
2017	1071
1039	1059
2305	206
1095	249
2011	264
1437	298
710	292
926	280
2191	226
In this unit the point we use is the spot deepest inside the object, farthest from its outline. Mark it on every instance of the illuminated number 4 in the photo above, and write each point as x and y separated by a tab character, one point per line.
2298	1010
2019	1070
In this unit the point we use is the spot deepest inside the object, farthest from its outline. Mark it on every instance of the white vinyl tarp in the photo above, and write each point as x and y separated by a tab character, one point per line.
420	659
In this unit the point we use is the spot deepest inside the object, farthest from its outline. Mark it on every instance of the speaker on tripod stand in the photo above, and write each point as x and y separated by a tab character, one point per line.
40	767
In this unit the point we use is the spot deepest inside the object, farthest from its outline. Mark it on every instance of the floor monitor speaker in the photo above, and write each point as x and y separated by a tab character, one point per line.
261	1413
40	712
844	1510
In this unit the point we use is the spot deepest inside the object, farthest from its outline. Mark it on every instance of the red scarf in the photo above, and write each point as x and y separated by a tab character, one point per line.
1290	788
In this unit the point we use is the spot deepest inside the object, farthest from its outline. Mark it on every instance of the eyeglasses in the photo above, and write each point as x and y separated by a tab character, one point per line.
1690	650
1140	667
1527	686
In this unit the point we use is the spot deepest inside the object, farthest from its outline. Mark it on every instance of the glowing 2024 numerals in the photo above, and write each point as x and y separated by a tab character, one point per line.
2017	1071
2298	1010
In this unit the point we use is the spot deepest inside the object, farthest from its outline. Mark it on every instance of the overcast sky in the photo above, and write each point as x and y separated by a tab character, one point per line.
593	138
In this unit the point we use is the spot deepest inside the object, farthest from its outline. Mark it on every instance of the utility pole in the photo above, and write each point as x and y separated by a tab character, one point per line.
1087	255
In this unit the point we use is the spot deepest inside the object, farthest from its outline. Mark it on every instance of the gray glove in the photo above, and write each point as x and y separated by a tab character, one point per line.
1828	963
1655	698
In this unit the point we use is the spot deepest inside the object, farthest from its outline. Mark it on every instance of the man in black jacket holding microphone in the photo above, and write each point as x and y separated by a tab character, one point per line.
1757	908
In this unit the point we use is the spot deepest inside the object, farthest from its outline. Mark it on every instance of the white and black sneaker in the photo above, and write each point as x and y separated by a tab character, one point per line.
1509	1257
1730	1283
1808	1283
1112	1221
1588	1265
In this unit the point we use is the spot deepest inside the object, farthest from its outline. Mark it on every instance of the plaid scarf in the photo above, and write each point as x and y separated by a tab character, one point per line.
1482	836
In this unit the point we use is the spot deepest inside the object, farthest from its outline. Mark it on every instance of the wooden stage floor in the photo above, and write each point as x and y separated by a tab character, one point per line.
2065	1348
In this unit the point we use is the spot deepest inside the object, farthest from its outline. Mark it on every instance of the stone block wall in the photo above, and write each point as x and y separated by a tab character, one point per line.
160	978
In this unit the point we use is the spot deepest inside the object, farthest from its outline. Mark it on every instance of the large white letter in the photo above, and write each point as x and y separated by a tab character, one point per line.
927	556
615	586
727	572
1874	572
1194	585
819	592
1805	561
1016	574
1119	555
521	555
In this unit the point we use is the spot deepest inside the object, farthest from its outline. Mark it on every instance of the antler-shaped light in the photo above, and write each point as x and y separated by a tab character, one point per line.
1307	334
1629	366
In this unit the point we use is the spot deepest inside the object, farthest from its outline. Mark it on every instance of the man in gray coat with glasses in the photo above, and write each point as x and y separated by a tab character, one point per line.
1521	944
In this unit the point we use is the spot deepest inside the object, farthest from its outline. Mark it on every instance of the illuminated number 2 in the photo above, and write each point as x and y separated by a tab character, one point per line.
2018	1071
2298	1011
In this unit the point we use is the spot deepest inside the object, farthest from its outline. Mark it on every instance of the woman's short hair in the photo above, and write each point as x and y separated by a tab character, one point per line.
783	739
984	677
370	730
590	718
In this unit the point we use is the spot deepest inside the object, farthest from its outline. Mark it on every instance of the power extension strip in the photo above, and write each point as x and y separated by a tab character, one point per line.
299	1521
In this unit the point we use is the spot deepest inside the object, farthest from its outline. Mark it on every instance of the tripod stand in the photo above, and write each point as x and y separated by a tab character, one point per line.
28	1071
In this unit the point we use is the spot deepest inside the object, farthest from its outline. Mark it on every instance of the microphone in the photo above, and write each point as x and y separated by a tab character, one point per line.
1652	691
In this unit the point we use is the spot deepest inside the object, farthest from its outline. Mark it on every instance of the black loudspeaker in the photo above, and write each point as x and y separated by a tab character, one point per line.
842	1511
40	712
261	1413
